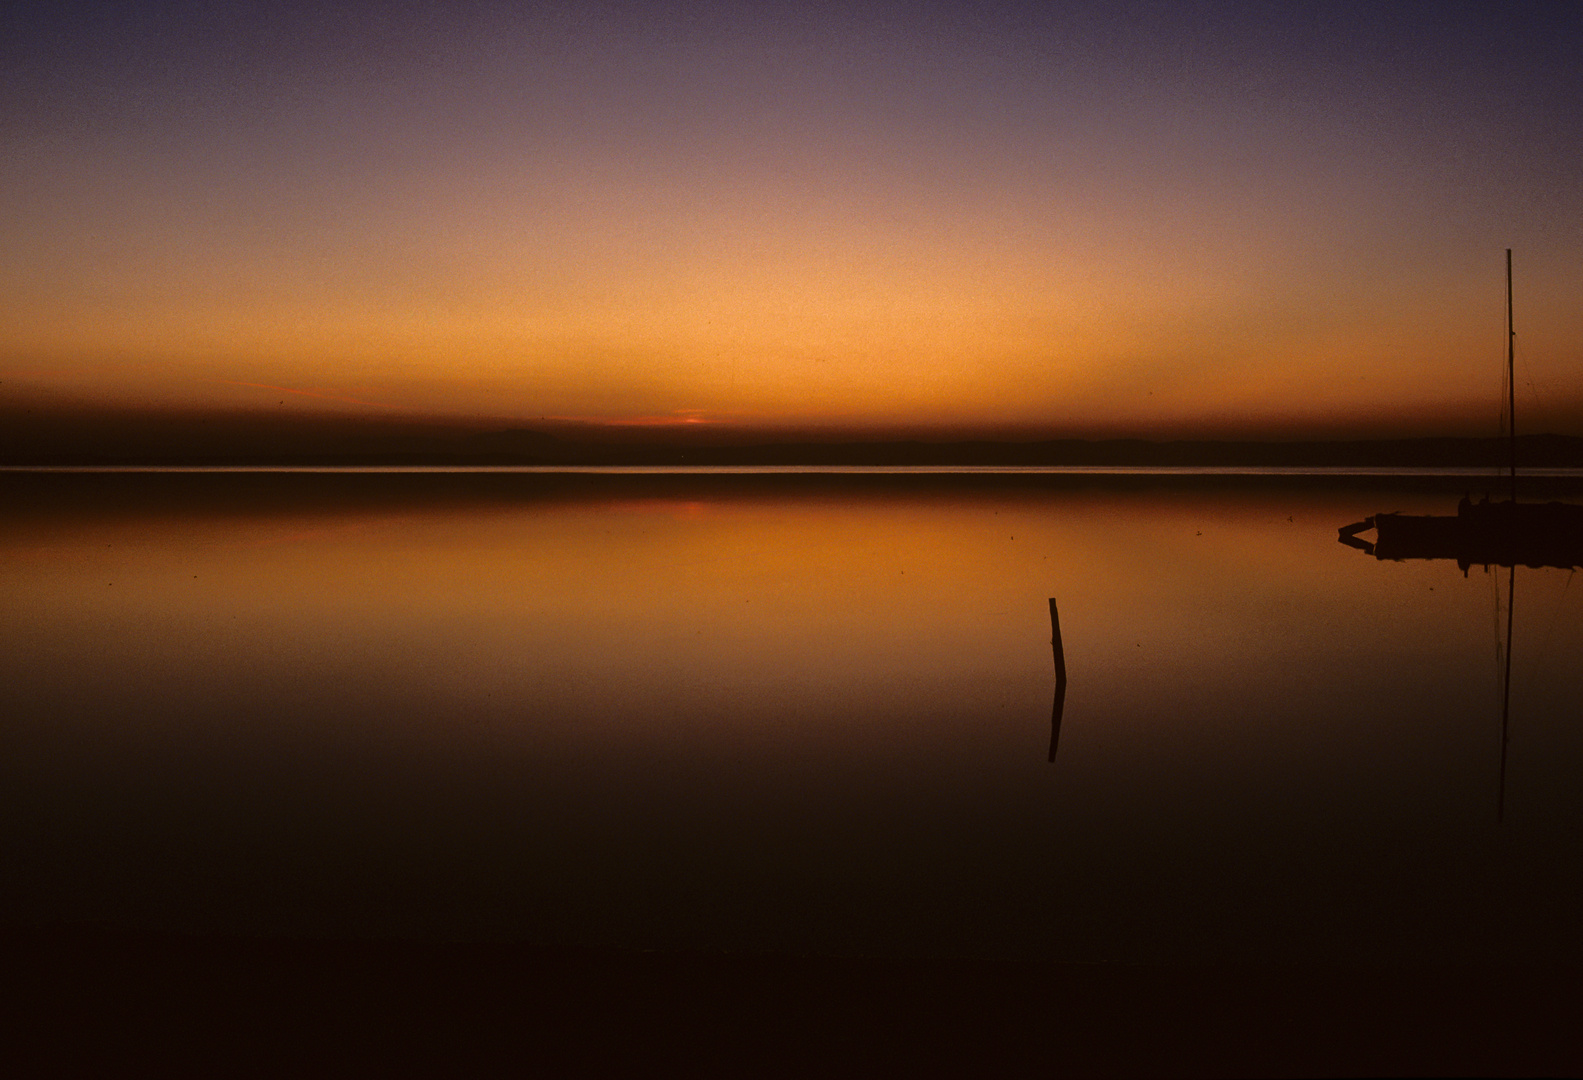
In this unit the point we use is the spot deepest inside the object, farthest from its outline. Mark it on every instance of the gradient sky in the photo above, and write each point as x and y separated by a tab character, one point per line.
1091	219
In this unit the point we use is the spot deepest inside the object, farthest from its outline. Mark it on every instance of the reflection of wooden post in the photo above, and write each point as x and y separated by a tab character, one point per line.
1060	678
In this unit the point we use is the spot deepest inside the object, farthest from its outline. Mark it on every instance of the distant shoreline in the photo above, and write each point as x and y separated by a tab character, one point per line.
106	485
173	443
1274	472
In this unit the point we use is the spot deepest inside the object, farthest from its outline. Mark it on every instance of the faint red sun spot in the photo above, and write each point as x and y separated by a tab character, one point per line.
674	419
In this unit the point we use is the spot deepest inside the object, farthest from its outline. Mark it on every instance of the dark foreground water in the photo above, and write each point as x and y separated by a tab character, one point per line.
783	714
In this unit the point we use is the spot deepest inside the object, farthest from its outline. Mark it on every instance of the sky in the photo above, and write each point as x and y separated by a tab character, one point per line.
1084	219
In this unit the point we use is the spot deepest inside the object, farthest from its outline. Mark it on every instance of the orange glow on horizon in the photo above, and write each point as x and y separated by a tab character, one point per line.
921	235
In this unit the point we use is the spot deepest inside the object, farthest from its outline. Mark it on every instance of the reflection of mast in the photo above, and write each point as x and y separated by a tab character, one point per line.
1060	679
1506	692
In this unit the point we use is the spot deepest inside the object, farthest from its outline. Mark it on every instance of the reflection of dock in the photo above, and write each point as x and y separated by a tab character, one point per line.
1509	534
1483	533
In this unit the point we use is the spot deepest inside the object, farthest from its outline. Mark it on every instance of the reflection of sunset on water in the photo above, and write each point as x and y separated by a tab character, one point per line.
820	702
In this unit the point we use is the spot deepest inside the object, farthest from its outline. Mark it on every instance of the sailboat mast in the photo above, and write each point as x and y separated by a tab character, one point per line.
1511	376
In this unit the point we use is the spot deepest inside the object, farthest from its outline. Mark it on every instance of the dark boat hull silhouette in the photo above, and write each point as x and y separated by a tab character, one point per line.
1480	534
1484	533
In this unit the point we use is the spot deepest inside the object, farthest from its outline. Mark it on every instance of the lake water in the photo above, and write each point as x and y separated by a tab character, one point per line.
783	713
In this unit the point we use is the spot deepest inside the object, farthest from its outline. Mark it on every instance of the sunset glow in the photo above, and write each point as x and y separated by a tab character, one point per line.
1092	223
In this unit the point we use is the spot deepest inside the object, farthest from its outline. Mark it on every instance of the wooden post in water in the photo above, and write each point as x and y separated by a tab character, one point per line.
1055	643
1060	679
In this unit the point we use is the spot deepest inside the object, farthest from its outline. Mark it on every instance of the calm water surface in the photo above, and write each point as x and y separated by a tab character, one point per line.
779	713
